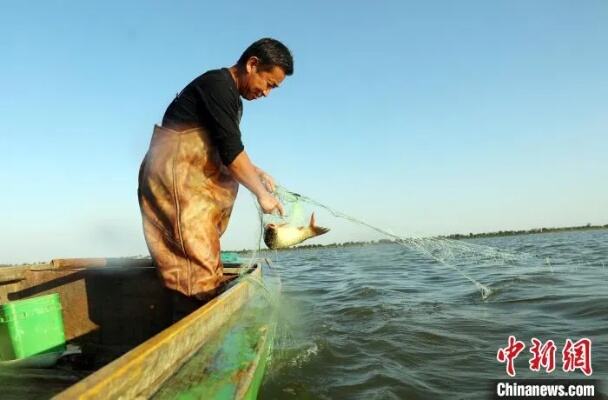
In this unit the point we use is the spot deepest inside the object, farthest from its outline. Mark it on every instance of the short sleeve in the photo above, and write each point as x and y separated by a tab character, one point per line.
222	105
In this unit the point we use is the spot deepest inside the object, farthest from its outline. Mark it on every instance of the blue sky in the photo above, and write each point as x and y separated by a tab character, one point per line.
418	117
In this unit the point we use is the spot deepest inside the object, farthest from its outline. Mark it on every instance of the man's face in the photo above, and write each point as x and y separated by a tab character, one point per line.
258	82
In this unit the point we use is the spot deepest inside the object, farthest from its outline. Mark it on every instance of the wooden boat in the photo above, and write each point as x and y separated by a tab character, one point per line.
122	320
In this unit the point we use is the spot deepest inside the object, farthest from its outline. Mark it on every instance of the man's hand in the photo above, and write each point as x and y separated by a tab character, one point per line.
250	176
267	180
269	204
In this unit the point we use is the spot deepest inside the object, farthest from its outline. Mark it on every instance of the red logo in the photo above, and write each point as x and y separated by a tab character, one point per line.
575	355
543	355
510	353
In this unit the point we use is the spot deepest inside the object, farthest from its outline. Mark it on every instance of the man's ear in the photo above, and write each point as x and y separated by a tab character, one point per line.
252	62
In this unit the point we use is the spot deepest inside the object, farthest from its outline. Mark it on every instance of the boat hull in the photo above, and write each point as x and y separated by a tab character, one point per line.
119	309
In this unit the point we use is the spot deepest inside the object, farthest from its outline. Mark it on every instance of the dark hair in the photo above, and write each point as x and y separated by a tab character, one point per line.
271	53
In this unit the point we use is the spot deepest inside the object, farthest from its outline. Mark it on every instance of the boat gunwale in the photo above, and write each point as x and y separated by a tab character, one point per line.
133	365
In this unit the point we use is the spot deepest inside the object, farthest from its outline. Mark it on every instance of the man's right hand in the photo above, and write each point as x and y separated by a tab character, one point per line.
247	174
269	204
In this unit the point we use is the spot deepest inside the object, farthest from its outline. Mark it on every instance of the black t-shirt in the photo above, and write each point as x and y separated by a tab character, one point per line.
211	101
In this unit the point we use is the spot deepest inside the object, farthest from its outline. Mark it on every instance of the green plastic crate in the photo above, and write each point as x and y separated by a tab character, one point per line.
31	326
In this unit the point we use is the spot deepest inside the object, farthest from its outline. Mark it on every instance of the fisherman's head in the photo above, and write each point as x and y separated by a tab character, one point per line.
262	67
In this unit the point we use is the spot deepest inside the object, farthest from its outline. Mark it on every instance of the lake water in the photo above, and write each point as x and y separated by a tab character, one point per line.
387	322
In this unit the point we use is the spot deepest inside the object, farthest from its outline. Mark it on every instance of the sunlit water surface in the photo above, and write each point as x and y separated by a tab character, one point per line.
386	322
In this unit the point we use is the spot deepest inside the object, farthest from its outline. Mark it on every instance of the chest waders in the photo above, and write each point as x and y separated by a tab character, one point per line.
186	196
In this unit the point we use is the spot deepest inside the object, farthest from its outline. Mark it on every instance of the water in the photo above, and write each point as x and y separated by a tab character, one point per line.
387	322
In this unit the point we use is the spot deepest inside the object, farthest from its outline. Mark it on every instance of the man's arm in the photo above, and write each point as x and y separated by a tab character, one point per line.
266	179
243	170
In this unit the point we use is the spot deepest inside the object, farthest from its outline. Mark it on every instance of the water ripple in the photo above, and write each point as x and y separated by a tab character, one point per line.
384	322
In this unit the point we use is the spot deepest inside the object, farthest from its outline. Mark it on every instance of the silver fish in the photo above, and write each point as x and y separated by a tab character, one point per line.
280	236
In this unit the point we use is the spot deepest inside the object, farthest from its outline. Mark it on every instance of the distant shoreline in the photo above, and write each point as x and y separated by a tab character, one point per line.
526	232
454	236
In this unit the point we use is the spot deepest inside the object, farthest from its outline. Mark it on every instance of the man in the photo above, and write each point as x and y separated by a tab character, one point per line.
189	178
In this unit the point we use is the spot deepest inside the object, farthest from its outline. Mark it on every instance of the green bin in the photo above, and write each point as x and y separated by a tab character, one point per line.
31	326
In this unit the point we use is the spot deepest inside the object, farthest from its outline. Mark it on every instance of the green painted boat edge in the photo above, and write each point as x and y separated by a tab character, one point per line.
251	393
126	377
234	363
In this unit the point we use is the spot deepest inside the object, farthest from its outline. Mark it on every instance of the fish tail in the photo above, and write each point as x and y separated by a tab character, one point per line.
317	230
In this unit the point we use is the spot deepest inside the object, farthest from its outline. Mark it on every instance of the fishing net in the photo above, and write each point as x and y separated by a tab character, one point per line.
484	270
460	257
